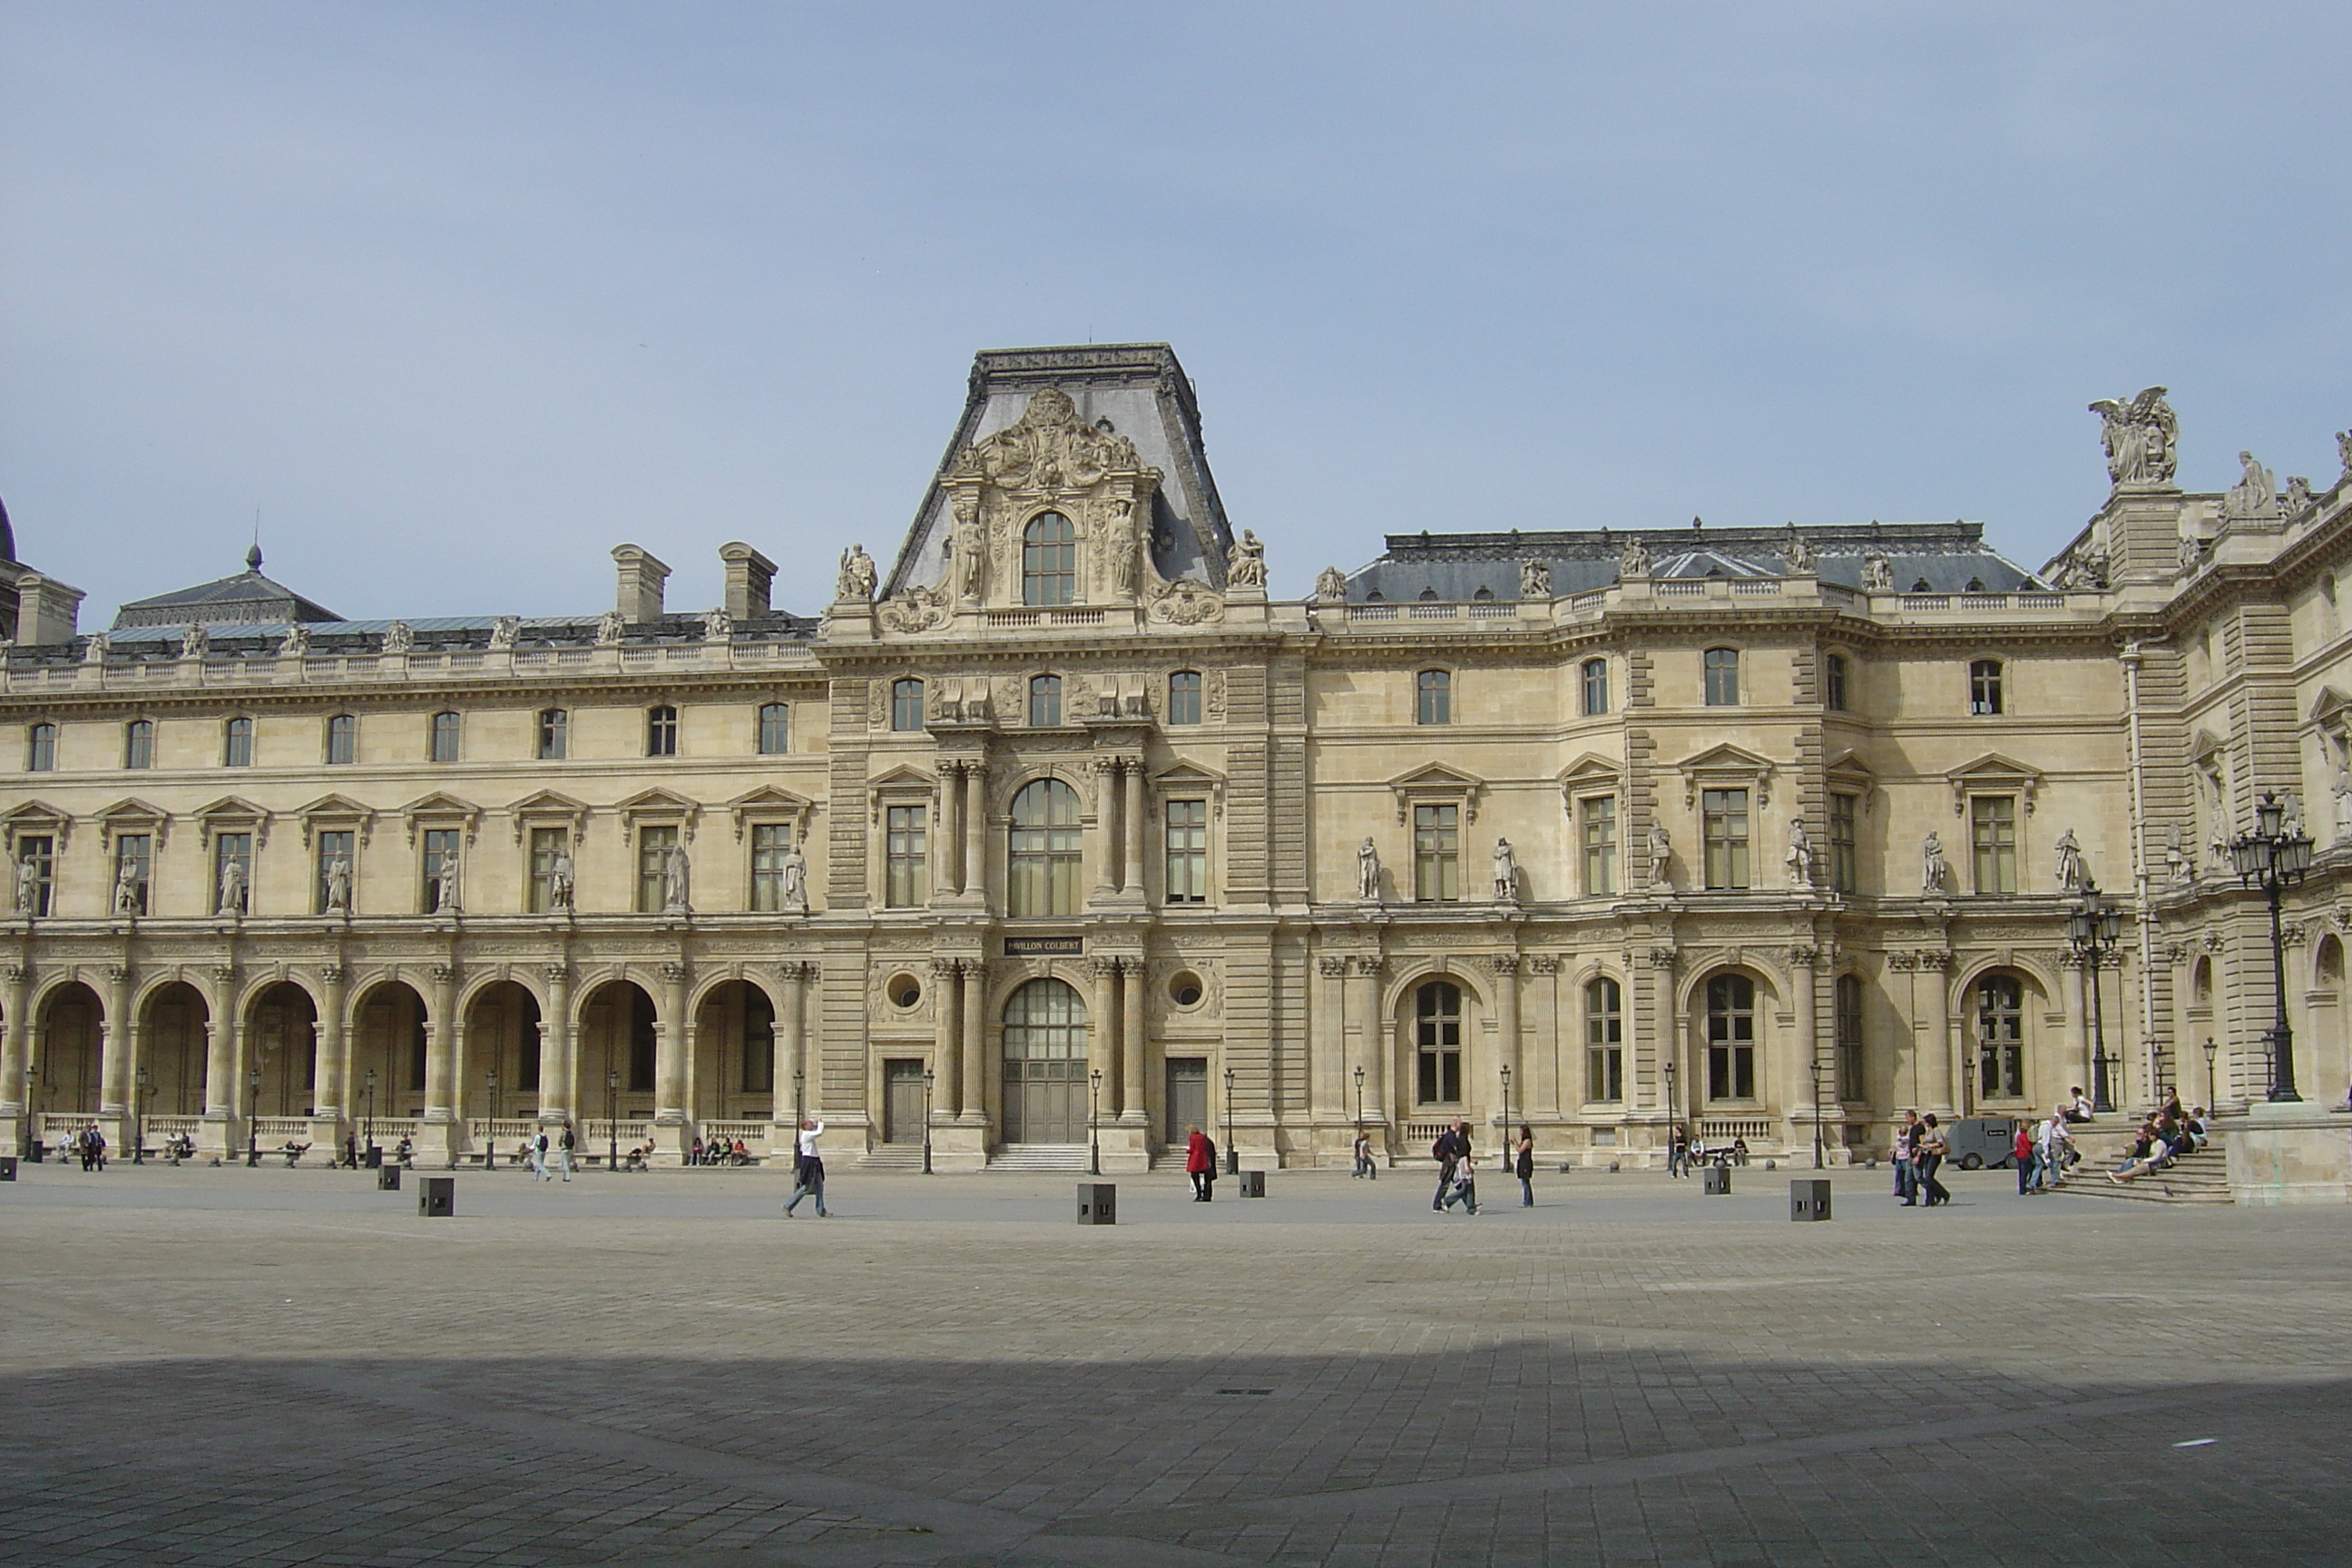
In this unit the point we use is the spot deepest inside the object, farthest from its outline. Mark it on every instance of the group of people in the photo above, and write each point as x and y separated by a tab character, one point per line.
1457	1168
2043	1152
1686	1153
1920	1149
718	1152
89	1146
2162	1139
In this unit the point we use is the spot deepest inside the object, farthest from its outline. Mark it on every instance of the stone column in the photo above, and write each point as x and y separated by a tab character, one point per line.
1103	1039
224	1084
118	1049
559	1076
671	1043
330	1105
1945	1082
949	828
445	1040
1133	1040
1333	1086
14	1105
1543	1096
1504	968
792	1030
974	837
1372	1052
946	1041
1131	822
1655	1094
970	1014
1108	855
1797	1086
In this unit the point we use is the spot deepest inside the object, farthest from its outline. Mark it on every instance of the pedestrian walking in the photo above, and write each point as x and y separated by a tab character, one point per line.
1523	1165
1906	1156
808	1171
1932	1148
538	1156
1463	1186
563	1150
351	1151
2021	1152
1201	1164
1451	1147
1364	1166
1678	1151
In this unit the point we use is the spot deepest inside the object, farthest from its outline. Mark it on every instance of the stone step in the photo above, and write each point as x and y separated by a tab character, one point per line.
892	1157
2201	1178
1039	1157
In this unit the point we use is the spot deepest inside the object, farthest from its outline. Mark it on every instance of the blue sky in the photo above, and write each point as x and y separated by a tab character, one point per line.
460	296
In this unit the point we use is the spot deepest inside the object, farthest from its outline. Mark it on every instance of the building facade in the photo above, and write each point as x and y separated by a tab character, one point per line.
1058	831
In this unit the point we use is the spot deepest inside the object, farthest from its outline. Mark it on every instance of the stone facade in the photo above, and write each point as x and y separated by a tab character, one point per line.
1059	830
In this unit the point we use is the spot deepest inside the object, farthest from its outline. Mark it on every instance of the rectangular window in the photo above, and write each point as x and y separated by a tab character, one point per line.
1725	821
1984	687
654	844
1045	702
554	734
443	746
770	843
343	738
1596	687
1188	851
139	744
906	883
1604	1042
1433	697
1993	833
775	729
38	851
1845	859
233	873
442	847
134	869
331	847
236	743
1600	813
661	732
905	705
1723	678
1833	682
41	749
1437	853
548	845
1851	1087
1185	697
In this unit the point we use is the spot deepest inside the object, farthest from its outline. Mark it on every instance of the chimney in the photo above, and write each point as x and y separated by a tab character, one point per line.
749	575
642	577
46	611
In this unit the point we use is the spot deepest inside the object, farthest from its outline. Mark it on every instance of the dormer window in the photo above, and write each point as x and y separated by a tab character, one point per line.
1049	561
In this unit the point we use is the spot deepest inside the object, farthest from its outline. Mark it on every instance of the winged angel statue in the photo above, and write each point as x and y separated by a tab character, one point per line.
2141	435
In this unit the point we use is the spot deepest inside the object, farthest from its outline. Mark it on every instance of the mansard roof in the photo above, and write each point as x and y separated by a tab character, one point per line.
1143	393
245	599
1946	557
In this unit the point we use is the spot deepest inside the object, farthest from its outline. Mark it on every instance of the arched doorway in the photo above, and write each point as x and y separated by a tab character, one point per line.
2000	1039
617	1051
173	1041
388	1054
1728	1043
282	1045
735	1055
498	1083
66	1066
1045	1064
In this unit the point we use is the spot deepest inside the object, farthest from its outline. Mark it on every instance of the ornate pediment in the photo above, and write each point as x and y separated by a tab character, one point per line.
2331	710
1434	782
133	816
1993	773
1726	766
335	810
232	814
658	808
548	808
768	803
1590	775
1049	450
1850	773
440	810
37	816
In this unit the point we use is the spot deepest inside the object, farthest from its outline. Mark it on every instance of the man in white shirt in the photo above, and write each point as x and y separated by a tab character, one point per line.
808	1174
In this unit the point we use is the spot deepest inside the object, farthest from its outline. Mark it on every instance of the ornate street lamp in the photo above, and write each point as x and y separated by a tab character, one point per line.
2094	928
927	1122
253	1122
1360	1100
611	1119
1505	1140
2273	858
1094	1122
2211	1046
1233	1155
490	1133
138	1125
1674	1114
1814	1065
370	1116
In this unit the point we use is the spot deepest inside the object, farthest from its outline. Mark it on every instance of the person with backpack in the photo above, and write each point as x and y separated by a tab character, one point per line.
1464	1185
538	1155
1453	1147
1523	1165
563	1150
1201	1164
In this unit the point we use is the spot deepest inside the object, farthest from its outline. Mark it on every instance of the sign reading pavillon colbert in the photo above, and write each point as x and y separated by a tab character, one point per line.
1045	946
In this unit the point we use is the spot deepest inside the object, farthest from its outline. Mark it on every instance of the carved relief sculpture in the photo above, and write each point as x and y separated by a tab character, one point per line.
2140	437
1935	873
1535	579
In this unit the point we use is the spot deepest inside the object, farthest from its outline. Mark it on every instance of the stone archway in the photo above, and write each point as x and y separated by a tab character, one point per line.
68	1059
732	1078
497	1079
173	1039
282	1045
1045	1064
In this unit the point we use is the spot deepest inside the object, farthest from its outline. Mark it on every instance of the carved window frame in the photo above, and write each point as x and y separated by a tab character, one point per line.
904	787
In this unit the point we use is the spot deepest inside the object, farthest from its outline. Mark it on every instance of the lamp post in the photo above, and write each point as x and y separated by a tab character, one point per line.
1674	1114
1505	1143
1233	1155
252	1120
611	1119
138	1127
490	1133
1094	1122
371	1115
2094	928
2211	1046
2271	856
928	1079
1360	1100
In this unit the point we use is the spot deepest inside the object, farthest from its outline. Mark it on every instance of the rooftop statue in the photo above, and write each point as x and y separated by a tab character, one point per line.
2344	450
718	626
2296	500
1799	553
2254	497
1633	561
1247	568
194	642
611	628
1331	586
297	641
1877	575
399	637
1535	579
856	578
505	630
2140	436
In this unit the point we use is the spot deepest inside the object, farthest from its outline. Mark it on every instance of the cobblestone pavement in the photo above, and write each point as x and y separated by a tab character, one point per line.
267	1367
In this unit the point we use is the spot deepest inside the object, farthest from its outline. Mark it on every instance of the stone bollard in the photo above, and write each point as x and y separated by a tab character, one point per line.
437	1198
1809	1199
1098	1202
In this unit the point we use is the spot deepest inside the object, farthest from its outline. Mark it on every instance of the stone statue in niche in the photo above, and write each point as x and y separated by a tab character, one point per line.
560	881
1799	860
399	637
447	883
795	874
1120	547
2254	497
2177	866
1660	855
967	554
856	579
339	885
126	890
1935	872
2071	875
232	887
1506	873
2140	437
1877	575
1633	561
28	882
2342	788
1331	586
676	871
1535	579
1368	871
1245	568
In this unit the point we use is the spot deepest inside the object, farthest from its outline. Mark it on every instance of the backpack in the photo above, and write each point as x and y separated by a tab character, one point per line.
1442	1149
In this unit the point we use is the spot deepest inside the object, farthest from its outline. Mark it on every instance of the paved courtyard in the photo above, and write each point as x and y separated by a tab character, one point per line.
267	1367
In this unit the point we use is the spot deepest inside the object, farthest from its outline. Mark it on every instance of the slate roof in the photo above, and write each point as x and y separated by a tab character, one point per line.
248	598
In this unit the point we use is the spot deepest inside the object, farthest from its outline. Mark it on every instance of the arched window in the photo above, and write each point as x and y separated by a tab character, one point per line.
1852	1082
1833	682
443	746
661	730
775	729
41	749
1732	1037
906	704
236	743
2000	1037
1185	697
1044	1097
1437	1043
1722	677
1046	850
1984	685
1596	687
1049	561
1045	702
139	744
343	738
1604	1041
1433	697
554	734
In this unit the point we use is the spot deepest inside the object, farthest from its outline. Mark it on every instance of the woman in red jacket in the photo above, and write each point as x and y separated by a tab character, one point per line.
1201	1164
